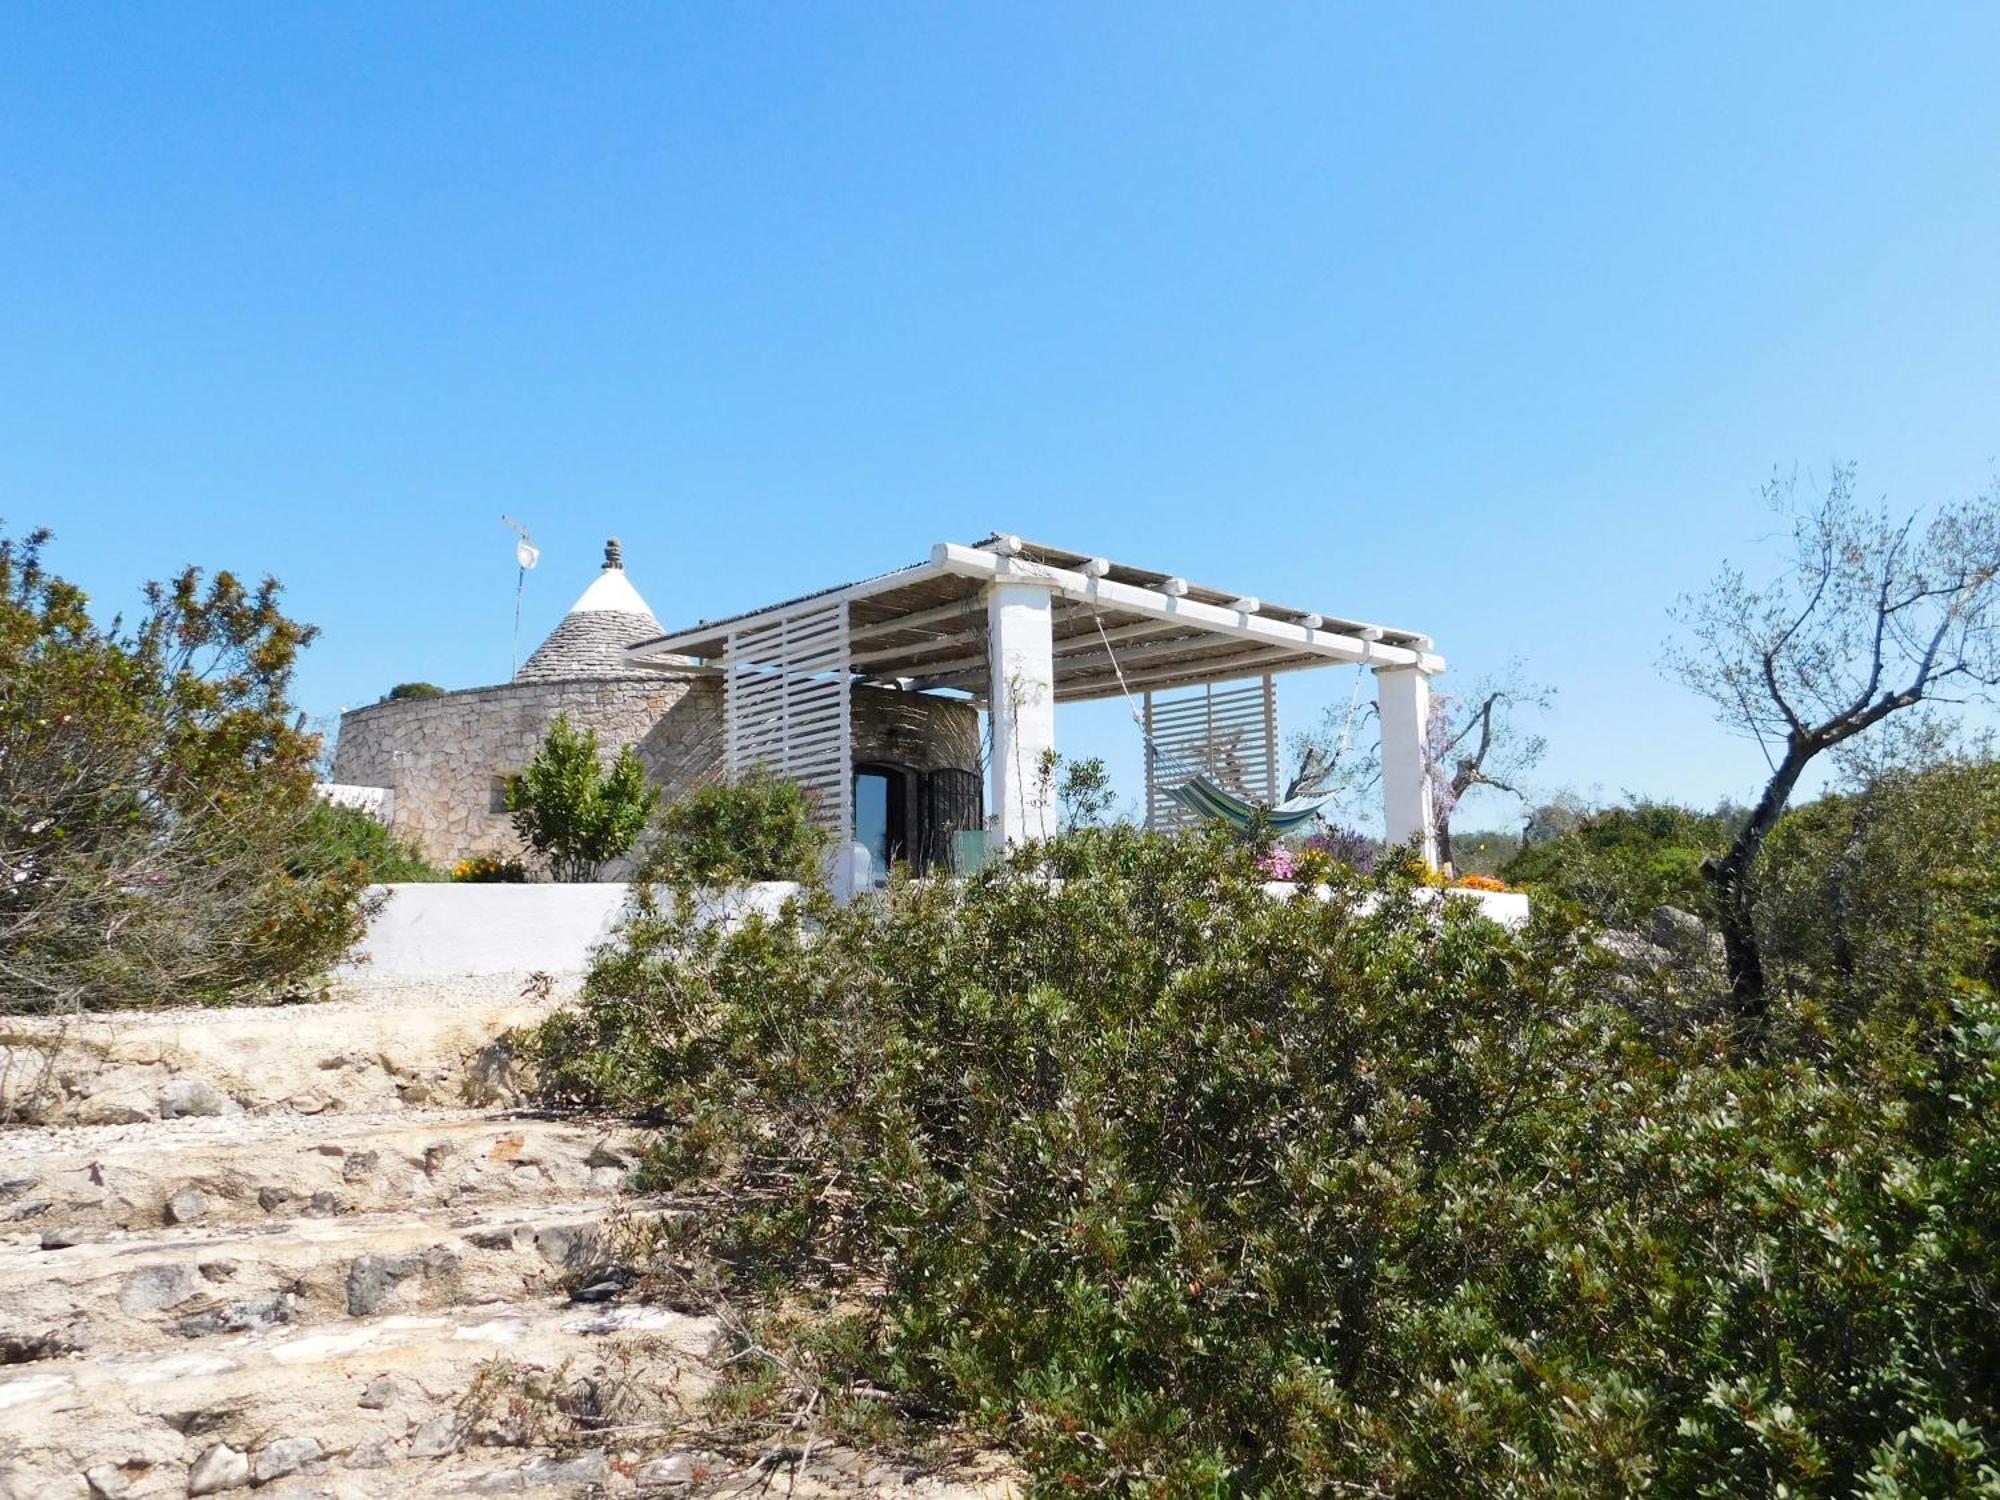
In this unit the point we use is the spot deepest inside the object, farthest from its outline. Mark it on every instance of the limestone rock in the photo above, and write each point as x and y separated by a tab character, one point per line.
192	1096
189	1205
107	1482
442	1434
219	1468
161	1285
386	1391
285	1456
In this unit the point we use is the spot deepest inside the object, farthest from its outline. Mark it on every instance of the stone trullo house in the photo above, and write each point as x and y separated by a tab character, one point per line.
438	766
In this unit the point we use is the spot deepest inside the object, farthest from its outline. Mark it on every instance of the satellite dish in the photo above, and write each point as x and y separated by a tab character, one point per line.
526	553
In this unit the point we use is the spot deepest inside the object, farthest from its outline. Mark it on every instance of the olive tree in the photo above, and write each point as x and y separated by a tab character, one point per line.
1871	616
1478	737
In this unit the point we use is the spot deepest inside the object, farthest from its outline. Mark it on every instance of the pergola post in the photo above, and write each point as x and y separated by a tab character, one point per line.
1021	707
1403	696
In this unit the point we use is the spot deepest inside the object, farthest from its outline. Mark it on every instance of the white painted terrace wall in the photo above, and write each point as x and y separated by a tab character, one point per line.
438	930
434	931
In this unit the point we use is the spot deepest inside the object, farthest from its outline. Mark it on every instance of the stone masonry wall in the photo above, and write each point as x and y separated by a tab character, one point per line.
441	755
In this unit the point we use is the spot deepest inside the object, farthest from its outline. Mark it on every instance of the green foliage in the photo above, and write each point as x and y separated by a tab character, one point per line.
1484	851
415	690
757	827
1894	890
1624	863
1082	790
157	838
1177	1189
573	812
347	835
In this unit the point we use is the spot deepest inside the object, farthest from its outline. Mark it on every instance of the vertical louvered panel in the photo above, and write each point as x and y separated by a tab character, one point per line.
1227	731
788	707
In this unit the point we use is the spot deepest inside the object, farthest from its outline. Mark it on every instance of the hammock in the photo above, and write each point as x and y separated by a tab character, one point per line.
1202	795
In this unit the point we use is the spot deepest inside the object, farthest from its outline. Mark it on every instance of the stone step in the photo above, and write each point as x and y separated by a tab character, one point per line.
243	1169
484	1400
381	1045
164	1287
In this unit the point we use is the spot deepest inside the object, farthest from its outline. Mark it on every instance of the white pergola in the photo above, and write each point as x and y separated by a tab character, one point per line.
1021	628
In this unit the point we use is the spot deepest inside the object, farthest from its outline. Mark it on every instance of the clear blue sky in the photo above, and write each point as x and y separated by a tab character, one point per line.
1484	321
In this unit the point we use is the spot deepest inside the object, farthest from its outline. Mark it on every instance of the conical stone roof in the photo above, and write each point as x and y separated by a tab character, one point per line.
591	640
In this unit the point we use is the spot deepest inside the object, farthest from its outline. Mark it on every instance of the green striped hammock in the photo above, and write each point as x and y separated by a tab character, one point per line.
1206	797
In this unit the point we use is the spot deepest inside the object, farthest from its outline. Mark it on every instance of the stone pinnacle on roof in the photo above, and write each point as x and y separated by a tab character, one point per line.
591	640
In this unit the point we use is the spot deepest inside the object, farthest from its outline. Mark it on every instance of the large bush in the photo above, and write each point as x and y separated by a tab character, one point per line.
336	835
574	811
1892	890
1622	864
1179	1189
757	827
156	801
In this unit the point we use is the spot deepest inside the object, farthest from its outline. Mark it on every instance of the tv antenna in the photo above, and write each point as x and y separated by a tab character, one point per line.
526	555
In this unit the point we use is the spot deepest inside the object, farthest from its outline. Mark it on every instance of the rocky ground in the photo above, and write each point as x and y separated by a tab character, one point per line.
325	1251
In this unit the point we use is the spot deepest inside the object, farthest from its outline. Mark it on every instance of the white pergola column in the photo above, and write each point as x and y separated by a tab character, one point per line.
1022	708
1403	695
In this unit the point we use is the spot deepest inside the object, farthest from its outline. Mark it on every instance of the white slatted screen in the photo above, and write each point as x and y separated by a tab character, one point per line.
787	706
1228	730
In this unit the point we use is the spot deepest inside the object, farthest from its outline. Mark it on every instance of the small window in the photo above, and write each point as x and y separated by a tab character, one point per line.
496	798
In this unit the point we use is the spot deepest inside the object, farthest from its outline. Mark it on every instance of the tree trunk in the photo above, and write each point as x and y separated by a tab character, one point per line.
1729	878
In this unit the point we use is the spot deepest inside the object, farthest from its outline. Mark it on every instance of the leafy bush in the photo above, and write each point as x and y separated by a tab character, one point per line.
1624	863
573	811
157	840
404	690
340	834
1894	890
757	827
1179	1189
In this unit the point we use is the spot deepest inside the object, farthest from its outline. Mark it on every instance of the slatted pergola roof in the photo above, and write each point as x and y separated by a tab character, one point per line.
925	627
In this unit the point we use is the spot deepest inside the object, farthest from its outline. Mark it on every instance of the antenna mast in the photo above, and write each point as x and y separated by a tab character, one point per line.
526	555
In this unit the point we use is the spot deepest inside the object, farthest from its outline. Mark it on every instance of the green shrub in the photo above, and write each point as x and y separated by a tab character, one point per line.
404	690
1176	1189
157	813
1894	890
1624	863
340	834
757	827
575	812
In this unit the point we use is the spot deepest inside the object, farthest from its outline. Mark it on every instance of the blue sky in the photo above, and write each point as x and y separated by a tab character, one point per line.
1482	321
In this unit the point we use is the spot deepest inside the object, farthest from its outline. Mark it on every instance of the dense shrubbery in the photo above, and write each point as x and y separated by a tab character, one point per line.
1176	1188
346	835
1622	864
757	827
157	816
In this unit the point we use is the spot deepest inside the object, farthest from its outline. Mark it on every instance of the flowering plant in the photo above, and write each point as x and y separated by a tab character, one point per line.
482	869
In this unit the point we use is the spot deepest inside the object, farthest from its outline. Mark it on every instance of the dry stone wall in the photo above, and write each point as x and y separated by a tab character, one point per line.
441	756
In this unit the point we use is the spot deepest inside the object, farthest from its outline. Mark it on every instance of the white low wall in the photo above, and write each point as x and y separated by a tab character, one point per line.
442	928
1508	908
436	930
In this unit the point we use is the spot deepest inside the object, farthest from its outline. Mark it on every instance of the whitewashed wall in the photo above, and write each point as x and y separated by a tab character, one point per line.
438	930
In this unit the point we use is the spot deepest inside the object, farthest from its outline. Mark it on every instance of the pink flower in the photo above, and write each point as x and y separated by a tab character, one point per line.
1277	864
